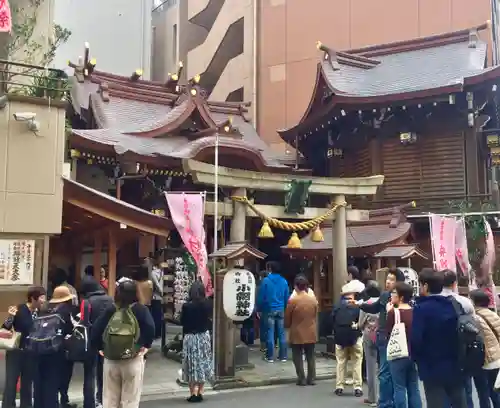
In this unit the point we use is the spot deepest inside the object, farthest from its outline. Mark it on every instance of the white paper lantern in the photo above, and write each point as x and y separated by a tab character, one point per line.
238	296
411	278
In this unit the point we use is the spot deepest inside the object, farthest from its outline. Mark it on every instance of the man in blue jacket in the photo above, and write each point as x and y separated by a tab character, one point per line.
435	344
272	300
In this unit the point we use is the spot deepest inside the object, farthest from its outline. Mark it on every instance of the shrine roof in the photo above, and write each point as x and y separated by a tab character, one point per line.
401	252
418	68
157	121
385	227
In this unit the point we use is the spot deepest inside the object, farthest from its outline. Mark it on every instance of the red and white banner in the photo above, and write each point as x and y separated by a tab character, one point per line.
488	263
5	17
187	211
443	242
461	251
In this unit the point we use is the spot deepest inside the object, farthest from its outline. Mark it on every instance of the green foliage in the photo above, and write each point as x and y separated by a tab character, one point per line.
49	84
24	45
474	224
190	265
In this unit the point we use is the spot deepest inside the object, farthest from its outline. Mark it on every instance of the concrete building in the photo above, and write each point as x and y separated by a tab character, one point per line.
118	31
213	38
266	48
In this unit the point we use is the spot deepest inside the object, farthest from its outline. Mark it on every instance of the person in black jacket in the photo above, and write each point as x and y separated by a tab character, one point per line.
50	368
95	301
18	361
123	378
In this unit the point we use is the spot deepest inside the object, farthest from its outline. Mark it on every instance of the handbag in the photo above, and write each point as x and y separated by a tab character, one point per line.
9	339
397	346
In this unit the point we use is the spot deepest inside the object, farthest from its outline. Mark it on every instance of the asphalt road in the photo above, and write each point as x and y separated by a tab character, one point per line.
319	396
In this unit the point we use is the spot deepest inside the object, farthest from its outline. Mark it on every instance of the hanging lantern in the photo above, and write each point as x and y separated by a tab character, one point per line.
238	294
317	235
266	231
294	241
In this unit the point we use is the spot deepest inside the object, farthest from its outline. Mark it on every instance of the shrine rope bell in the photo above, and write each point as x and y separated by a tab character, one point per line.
238	295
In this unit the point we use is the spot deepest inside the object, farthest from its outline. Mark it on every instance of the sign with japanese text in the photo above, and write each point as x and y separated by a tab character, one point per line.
443	242
238	294
16	262
187	212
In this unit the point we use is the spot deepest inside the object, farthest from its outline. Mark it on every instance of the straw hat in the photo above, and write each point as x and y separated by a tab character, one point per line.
61	294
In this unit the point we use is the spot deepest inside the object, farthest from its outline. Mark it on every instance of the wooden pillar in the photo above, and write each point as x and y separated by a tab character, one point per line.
317	280
97	257
375	149
225	330
339	249
45	268
111	262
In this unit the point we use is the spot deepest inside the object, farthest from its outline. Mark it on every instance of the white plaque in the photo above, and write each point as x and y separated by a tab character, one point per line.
17	259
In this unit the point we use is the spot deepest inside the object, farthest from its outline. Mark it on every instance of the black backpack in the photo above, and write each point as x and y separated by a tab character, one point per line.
77	345
470	340
345	335
46	335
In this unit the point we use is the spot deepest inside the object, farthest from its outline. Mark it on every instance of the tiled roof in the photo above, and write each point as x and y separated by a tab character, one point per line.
132	114
409	71
419	68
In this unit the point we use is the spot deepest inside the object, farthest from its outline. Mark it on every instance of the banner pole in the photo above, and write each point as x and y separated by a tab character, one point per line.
215	247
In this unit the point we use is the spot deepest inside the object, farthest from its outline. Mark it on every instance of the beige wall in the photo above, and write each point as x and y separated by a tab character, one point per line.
165	42
289	29
30	169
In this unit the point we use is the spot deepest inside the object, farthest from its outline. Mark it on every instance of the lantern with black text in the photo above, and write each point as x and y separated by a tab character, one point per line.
238	294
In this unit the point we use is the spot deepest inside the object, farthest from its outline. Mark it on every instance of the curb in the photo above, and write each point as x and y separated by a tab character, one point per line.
239	383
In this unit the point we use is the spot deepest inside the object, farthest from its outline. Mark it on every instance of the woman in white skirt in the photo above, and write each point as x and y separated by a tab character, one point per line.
197	363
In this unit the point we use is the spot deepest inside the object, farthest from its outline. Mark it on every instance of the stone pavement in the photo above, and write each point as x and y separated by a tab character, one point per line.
161	375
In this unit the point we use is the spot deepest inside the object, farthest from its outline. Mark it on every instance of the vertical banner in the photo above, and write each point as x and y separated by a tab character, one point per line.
187	211
5	17
488	263
461	251
443	242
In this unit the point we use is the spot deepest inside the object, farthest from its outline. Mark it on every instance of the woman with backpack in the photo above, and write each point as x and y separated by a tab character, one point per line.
123	334
46	343
197	363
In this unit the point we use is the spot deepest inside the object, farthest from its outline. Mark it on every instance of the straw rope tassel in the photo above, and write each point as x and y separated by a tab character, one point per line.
290	226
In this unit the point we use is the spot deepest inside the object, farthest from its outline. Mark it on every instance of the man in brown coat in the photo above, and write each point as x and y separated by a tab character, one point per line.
301	319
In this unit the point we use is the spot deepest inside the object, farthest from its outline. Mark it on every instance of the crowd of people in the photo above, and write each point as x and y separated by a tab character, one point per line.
116	335
440	338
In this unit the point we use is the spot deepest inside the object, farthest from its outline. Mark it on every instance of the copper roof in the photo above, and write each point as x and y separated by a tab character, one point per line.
147	119
401	252
418	68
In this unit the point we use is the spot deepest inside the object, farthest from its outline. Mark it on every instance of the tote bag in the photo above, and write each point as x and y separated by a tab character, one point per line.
9	339
397	347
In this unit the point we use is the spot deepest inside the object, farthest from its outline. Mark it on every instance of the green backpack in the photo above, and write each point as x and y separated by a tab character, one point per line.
121	335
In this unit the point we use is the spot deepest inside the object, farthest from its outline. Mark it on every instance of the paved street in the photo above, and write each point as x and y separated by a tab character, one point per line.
283	396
